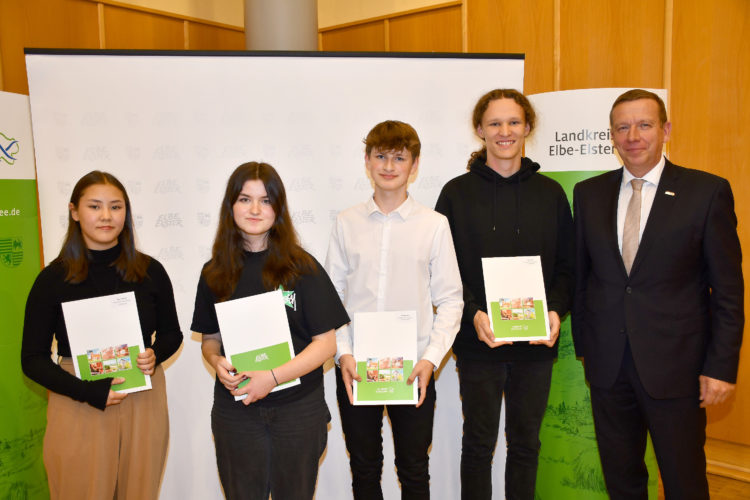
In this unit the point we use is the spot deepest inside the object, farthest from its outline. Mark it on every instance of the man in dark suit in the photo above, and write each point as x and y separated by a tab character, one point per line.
658	311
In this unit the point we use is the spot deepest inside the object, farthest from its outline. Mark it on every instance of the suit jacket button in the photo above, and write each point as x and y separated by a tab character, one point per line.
622	330
628	290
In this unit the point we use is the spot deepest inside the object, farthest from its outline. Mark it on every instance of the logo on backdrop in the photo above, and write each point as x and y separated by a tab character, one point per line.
582	142
306	216
9	148
171	219
301	184
11	251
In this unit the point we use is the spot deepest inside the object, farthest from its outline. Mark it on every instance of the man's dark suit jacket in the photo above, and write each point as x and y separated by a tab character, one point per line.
681	308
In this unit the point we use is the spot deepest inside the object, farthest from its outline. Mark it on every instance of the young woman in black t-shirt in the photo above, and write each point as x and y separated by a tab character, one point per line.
267	443
100	443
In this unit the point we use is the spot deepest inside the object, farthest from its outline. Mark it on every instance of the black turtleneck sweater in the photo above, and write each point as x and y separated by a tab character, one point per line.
495	216
44	319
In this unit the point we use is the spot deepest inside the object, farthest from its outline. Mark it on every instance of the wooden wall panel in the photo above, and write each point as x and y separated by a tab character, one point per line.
611	44
333	13
226	13
516	26
366	37
44	24
710	131
206	37
130	29
430	31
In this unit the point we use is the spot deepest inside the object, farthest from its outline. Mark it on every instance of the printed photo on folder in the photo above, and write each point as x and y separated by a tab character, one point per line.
105	339
385	349
516	301
255	333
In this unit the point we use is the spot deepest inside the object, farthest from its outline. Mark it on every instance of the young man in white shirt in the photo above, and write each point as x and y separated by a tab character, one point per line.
391	253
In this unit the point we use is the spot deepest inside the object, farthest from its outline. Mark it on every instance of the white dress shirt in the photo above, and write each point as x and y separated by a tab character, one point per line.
648	193
401	261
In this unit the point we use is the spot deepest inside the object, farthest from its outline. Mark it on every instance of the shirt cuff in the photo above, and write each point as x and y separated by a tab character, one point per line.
433	355
343	342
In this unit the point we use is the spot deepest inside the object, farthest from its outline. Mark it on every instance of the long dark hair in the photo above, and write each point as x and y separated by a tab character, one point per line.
131	265
484	102
286	260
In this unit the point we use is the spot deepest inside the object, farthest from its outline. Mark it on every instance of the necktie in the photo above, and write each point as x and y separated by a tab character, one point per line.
632	225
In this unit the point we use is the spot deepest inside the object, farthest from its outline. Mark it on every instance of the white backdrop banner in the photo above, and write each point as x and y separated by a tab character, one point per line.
173	126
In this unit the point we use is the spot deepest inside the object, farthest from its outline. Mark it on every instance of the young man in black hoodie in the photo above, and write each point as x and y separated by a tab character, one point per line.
503	207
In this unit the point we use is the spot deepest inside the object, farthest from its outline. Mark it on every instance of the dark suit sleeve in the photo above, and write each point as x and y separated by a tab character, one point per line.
723	264
582	266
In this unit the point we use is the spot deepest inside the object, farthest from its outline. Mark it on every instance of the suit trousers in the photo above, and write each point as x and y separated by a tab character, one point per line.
624	413
412	437
525	385
117	453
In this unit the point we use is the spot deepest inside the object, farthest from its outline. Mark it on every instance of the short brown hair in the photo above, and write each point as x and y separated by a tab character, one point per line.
636	94
392	135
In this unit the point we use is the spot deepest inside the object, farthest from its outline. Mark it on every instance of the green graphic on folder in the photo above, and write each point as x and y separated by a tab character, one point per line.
265	358
255	333
112	362
516	300
105	338
385	348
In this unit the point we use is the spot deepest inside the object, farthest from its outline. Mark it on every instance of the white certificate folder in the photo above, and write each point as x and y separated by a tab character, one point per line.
385	350
105	339
516	300
255	333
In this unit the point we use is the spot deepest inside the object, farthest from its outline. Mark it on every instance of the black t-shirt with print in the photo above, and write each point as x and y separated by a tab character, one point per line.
312	309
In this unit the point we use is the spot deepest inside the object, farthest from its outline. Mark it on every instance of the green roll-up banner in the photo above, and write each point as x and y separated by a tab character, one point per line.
569	466
23	403
572	143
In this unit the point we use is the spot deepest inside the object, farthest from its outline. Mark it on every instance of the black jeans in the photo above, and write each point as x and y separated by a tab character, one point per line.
525	385
274	450
412	436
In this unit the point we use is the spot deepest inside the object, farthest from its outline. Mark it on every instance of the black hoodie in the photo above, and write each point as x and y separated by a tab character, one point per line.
494	216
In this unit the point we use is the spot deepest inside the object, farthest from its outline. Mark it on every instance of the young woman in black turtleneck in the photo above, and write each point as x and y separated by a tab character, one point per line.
100	443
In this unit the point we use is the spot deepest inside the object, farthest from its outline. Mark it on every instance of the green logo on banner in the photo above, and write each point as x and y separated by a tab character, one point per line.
9	147
11	251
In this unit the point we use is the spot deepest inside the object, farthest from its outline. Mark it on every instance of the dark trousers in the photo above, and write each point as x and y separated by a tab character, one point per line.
525	385
622	415
274	450
412	437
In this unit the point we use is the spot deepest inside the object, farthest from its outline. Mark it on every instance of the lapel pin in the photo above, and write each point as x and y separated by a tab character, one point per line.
669	193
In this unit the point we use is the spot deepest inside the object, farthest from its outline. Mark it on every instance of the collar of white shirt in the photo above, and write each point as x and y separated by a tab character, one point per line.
403	210
652	177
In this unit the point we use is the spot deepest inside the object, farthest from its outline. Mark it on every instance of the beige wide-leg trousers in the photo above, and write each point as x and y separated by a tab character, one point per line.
117	453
